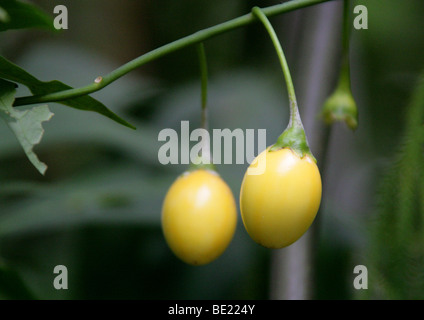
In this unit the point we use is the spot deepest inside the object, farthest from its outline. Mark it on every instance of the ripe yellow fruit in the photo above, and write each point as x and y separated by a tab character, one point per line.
279	205
199	216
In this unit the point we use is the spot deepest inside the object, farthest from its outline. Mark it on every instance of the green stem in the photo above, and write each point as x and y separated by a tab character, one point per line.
293	136
194	38
344	82
205	158
204	83
294	111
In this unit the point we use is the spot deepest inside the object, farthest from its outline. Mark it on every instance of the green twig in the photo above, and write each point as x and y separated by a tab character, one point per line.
204	83
192	39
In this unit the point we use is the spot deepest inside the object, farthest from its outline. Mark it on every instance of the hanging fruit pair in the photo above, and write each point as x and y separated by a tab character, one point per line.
277	204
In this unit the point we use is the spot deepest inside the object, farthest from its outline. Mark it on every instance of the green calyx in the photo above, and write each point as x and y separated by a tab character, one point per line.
340	106
201	164
293	137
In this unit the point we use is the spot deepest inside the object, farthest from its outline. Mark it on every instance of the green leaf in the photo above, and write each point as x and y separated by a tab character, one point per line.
26	125
21	15
12	72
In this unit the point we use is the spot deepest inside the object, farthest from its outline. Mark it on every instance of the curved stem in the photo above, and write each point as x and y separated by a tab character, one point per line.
294	136
294	111
164	50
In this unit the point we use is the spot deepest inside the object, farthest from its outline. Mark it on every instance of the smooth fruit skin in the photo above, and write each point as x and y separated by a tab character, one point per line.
279	205
199	216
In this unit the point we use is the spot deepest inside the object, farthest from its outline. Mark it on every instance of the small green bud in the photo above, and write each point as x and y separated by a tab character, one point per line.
340	106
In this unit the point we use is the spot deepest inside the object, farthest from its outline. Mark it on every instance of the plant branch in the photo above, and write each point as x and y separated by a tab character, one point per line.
192	39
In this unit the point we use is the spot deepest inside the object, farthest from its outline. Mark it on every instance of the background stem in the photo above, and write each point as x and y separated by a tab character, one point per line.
345	65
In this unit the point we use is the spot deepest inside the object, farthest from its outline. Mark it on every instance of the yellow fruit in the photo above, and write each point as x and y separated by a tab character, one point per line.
199	216
279	205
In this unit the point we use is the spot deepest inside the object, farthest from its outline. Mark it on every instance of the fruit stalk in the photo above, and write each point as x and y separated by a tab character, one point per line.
204	83
204	160
294	135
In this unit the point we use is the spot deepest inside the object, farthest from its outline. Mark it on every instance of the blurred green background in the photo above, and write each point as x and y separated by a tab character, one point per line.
97	209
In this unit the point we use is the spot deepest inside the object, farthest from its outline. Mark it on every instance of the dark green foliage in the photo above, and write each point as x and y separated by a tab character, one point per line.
12	286
396	254
22	15
12	72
